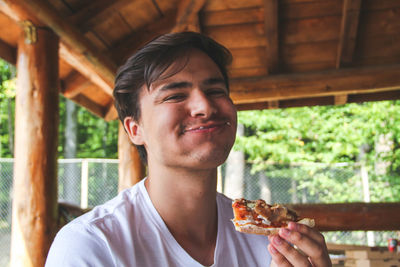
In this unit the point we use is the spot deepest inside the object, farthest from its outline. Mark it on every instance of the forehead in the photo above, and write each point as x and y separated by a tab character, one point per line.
192	65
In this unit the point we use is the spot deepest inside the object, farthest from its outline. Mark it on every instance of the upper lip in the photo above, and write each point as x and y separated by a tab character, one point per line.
204	125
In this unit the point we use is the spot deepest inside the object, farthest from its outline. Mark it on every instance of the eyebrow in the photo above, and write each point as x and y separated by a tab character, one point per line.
179	85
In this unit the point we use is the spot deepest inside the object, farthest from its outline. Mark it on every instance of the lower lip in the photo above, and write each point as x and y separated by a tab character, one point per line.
205	130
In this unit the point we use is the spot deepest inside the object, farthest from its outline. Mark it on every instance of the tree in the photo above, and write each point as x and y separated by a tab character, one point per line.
329	134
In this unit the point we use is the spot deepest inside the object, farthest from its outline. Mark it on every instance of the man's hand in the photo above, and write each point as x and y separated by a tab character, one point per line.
310	247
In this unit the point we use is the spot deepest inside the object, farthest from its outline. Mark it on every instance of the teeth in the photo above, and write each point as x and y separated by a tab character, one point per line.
202	127
228	123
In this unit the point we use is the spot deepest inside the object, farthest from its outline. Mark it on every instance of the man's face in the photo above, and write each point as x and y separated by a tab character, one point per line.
188	119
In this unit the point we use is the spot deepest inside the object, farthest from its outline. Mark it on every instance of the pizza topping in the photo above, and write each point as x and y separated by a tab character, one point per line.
261	214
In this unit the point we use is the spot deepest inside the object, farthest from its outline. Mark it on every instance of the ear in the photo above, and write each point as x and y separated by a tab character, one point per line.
133	130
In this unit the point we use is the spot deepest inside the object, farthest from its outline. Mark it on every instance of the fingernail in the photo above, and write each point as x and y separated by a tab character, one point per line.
284	232
277	240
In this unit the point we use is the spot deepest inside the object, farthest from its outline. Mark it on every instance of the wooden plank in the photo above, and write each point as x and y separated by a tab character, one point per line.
370	254
90	10
322	101
146	12
377	47
250	35
35	214
8	53
232	17
112	29
348	32
10	31
352	216
98	14
271	35
380	96
248	58
372	263
122	50
74	84
310	30
187	17
329	83
340	99
84	53
307	102
380	5
247	72
308	53
308	67
233	4
381	22
315	9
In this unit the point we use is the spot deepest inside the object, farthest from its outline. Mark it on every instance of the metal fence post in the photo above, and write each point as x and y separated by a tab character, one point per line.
84	183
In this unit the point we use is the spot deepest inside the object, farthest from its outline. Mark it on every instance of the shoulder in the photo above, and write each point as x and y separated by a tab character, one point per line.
92	235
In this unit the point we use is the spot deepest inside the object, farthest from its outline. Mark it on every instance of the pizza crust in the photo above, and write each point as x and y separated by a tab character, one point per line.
253	229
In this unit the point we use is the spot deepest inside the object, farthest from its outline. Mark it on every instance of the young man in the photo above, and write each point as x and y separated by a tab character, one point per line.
172	97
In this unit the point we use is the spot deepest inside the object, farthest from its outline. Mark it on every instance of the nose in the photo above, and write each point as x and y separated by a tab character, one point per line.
200	105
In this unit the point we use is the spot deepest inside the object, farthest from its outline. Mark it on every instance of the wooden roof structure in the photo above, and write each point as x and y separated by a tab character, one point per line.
286	53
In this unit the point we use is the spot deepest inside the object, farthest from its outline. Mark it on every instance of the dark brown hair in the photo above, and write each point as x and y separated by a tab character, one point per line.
149	63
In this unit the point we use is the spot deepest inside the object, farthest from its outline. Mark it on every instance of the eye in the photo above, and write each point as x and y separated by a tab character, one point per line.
175	97
217	92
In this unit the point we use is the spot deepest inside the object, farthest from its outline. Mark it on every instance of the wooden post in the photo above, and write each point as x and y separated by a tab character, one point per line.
35	208
130	169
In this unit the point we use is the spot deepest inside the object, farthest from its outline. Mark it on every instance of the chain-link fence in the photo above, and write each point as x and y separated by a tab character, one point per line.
90	182
87	182
313	183
83	182
6	176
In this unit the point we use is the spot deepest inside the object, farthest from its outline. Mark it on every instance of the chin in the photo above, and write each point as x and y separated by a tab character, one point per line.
213	158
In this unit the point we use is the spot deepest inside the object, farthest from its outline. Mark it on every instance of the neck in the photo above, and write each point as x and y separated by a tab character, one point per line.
186	201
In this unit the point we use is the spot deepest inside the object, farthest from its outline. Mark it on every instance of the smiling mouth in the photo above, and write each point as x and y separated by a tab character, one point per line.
207	127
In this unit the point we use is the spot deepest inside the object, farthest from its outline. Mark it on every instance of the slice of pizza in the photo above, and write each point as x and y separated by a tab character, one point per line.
258	217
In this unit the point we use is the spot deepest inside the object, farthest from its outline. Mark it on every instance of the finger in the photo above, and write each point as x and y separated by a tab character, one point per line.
304	229
277	258
309	241
293	256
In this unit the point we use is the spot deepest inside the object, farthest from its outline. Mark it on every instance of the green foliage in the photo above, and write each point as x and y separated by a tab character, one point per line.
330	134
96	137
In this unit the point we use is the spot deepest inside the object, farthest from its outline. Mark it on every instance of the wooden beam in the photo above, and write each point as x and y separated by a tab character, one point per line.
95	13
271	34
352	216
379	96
87	103
306	85
126	47
111	112
74	84
187	18
82	54
273	104
34	218
130	169
8	53
348	32
340	99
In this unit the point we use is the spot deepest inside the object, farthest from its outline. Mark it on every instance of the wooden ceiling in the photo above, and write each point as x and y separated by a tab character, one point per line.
287	53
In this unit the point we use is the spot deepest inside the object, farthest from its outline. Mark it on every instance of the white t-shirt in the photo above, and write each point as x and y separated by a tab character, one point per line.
128	231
